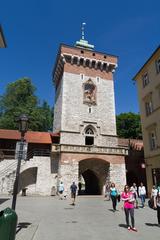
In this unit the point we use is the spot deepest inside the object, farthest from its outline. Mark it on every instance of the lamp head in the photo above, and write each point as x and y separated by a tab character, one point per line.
23	123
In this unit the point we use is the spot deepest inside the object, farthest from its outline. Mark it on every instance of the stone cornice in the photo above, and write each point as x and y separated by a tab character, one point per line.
123	151
78	60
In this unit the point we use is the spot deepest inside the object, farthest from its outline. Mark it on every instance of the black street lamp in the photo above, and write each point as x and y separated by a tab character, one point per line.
23	127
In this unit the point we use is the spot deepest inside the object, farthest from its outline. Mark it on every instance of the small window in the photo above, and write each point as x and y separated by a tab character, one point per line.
99	65
104	66
81	61
104	56
152	140
98	79
93	54
89	131
149	107
82	76
145	79
74	60
93	64
87	63
82	51
89	138
158	65
90	109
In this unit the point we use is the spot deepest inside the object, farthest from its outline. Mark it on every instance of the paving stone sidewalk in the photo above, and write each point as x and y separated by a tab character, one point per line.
48	218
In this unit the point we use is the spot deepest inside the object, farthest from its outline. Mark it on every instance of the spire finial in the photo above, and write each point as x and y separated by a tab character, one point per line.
82	43
82	28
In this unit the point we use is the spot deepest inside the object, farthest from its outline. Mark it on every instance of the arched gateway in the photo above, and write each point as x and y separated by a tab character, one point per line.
93	174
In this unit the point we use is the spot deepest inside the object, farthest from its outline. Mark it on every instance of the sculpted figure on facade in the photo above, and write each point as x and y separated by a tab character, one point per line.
89	92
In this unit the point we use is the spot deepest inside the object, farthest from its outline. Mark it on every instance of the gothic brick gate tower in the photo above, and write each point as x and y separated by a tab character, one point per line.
84	115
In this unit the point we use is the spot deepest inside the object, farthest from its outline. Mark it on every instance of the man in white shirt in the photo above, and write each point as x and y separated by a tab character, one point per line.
142	193
153	196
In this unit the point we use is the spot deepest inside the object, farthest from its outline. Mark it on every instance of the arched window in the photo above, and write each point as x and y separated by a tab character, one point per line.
89	136
89	131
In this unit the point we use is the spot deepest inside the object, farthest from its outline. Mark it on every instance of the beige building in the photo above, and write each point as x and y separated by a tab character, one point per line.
148	83
2	39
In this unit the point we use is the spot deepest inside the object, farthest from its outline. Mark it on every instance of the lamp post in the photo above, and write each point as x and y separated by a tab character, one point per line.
23	127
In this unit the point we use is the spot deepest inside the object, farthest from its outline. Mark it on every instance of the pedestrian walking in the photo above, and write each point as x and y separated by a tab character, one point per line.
61	190
142	193
154	193
134	190
128	197
113	194
158	187
107	191
73	189
158	207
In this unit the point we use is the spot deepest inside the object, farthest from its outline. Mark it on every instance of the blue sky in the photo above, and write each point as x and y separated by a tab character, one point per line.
34	29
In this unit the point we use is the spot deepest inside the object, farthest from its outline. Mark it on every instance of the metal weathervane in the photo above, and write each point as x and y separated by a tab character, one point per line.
82	28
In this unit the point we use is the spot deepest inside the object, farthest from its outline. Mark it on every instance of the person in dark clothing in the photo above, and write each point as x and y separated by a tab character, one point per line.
158	208
73	188
79	187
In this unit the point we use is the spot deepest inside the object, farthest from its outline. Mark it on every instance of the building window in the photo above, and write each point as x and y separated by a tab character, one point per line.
87	63
148	107
89	136
145	79
82	76
158	65
81	61
152	140
90	110
98	79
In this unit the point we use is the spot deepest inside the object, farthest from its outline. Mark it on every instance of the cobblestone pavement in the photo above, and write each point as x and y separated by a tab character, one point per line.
48	218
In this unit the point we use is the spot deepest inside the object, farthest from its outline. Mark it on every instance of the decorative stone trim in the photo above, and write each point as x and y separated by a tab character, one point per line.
89	149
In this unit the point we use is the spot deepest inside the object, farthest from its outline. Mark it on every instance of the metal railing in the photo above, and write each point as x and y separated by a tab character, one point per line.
38	152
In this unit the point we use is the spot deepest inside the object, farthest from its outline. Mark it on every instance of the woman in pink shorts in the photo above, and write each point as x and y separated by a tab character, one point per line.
128	198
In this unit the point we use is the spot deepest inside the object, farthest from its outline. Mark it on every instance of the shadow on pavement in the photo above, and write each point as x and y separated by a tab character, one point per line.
68	208
122	225
22	225
152	224
110	210
2	200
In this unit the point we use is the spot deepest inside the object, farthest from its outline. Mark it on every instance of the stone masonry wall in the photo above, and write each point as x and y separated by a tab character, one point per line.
45	179
75	113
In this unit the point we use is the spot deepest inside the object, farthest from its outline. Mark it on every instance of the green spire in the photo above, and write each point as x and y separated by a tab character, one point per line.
82	43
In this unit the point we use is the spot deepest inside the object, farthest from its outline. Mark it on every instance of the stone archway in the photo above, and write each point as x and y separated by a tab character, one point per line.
28	178
95	173
91	183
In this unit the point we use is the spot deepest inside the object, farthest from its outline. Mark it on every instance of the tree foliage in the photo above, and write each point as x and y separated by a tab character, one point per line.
20	98
129	125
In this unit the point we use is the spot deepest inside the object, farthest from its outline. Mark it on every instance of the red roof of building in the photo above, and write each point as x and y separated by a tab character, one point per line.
30	136
136	144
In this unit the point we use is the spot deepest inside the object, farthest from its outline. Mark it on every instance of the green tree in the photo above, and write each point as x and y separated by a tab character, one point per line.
20	98
129	125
